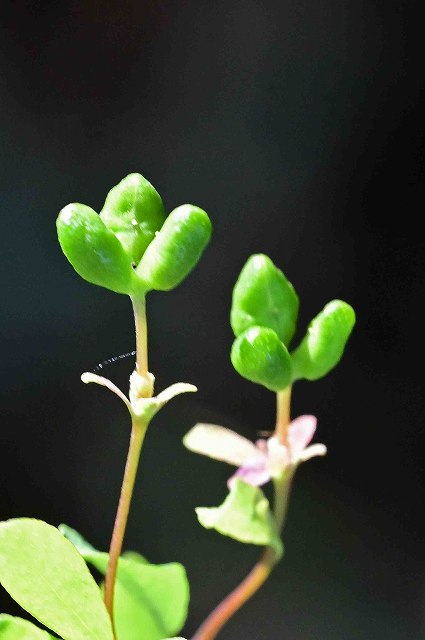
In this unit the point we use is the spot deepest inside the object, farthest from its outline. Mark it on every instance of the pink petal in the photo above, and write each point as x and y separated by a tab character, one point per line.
300	432
256	474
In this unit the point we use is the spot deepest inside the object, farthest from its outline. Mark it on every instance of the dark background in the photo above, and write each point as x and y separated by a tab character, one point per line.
299	127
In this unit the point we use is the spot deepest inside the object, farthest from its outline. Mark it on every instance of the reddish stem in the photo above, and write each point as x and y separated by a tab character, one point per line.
226	609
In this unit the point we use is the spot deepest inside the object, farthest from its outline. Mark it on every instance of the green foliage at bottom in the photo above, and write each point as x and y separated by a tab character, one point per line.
12	628
151	597
47	577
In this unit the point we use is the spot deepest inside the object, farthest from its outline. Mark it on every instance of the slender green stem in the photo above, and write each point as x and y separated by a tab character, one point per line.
138	431
283	418
139	308
263	568
137	436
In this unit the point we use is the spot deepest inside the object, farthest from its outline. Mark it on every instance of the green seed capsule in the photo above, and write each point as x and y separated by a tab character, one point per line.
323	345
133	210
263	296
176	248
93	250
259	355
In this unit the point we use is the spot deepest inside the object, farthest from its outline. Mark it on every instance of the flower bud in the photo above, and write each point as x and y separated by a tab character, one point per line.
259	355
133	210
323	345
93	250
176	248
263	296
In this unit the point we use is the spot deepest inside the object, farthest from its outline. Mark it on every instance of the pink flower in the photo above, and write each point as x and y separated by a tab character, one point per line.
260	462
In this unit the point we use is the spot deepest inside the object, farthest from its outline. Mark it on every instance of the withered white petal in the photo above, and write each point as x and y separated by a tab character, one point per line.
221	444
312	451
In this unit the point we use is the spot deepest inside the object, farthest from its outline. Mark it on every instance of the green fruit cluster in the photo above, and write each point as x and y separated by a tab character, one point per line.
132	246
264	318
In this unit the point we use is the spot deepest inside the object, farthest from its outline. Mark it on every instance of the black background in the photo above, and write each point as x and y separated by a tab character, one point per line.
298	126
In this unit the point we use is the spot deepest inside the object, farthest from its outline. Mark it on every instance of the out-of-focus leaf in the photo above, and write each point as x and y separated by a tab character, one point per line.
244	515
47	577
148	597
12	628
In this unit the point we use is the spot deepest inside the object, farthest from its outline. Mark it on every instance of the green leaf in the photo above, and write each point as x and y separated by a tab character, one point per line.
176	248
244	515
263	296
93	250
151	597
323	345
133	210
47	577
12	628
260	356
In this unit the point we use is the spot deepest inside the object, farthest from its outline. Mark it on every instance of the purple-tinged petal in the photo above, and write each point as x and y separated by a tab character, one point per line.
300	433
222	444
255	474
312	451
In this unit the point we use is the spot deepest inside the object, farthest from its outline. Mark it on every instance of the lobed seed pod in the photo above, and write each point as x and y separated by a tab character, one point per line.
259	355
175	249
263	296
133	210
323	345
93	250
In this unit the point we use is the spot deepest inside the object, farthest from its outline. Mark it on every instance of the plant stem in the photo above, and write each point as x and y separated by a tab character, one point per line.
138	430
283	407
282	490
137	436
228	607
261	571
139	308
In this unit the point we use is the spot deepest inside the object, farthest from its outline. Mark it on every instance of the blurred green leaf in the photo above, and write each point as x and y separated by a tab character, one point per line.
12	628
47	577
151	597
244	515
